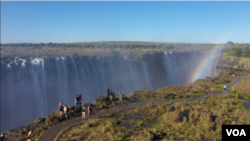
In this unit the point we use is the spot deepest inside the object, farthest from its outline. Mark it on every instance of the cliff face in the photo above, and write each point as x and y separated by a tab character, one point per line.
32	88
228	61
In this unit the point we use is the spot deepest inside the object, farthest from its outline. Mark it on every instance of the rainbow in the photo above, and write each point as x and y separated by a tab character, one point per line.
202	64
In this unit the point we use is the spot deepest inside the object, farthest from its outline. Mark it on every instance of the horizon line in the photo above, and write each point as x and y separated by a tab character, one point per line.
118	41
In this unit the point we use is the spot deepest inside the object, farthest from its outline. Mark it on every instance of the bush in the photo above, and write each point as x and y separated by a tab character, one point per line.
75	55
233	51
246	52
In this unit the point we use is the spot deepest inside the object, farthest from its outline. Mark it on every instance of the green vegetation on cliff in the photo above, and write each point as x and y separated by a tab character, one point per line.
236	51
129	50
235	55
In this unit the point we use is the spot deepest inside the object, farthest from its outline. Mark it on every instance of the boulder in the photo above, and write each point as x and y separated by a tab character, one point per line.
87	104
118	122
185	113
152	136
171	109
72	108
78	110
212	118
101	100
22	132
40	120
126	98
180	96
102	106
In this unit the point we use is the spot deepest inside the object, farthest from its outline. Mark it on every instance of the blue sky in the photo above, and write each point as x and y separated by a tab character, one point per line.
164	21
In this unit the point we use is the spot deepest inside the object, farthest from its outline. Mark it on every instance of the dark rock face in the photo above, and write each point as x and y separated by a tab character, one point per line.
185	113
212	118
172	109
152	136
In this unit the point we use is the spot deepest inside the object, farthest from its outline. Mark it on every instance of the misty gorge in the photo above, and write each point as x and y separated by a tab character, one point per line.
36	85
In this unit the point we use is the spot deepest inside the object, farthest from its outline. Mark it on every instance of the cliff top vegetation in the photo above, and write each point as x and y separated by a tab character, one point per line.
100	49
235	55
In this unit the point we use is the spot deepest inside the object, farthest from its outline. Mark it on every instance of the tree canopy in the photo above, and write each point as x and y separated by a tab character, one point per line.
237	51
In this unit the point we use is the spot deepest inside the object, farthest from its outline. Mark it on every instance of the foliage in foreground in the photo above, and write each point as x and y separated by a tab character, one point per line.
197	126
204	121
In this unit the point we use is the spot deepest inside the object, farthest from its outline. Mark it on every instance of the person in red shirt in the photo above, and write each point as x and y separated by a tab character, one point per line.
60	106
80	100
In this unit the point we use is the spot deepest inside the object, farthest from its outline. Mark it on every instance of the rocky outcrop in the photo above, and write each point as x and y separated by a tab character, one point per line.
101	100
183	114
171	109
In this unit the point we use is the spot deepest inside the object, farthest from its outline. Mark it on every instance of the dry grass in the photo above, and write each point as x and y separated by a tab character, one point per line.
242	87
198	127
226	109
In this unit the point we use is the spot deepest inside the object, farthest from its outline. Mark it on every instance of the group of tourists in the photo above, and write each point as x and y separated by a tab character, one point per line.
85	109
63	109
78	101
111	95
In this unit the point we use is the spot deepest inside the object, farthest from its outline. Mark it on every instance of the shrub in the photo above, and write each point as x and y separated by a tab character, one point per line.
75	55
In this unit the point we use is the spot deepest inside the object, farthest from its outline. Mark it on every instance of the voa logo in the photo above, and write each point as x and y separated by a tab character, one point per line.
236	132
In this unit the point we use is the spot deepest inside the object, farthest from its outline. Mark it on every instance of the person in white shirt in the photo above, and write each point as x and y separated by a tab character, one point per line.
225	87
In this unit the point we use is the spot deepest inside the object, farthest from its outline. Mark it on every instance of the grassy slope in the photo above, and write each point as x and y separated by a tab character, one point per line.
199	127
225	107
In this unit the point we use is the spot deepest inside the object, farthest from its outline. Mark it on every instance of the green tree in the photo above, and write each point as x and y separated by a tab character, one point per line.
235	51
229	44
246	52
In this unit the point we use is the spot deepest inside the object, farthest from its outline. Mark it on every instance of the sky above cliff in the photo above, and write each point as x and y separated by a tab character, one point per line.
165	21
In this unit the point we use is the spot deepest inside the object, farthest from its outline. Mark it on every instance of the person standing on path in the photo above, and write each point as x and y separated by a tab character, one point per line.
60	107
80	100
2	138
108	92
89	111
84	109
30	135
111	95
121	96
66	109
76	101
225	88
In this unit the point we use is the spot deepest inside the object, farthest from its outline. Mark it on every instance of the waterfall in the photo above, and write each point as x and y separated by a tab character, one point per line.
168	67
76	75
113	78
37	85
38	95
59	74
132	72
65	75
145	70
84	76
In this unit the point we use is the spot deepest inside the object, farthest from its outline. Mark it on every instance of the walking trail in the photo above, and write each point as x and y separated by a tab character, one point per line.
51	133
